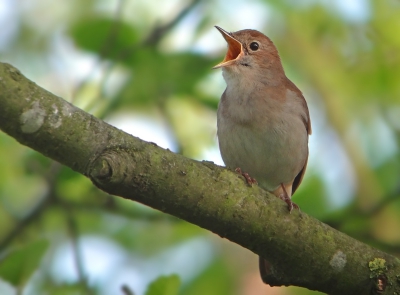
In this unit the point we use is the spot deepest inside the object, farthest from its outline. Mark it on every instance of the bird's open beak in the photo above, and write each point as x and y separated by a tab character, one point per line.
235	49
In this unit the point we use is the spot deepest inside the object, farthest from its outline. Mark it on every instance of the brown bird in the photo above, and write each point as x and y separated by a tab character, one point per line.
263	119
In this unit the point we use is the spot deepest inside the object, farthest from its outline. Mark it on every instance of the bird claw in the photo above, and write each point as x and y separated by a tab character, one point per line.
285	197
291	205
250	180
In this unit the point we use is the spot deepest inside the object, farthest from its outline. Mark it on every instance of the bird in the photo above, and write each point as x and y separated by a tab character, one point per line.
263	121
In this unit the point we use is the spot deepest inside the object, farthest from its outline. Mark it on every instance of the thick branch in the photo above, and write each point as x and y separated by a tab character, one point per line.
301	250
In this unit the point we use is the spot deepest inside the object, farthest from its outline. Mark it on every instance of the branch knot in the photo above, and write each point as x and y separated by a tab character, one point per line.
111	167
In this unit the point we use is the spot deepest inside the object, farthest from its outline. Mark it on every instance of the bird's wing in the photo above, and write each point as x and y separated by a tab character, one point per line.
307	125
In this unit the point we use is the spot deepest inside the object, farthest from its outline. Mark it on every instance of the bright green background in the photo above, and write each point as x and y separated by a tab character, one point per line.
57	230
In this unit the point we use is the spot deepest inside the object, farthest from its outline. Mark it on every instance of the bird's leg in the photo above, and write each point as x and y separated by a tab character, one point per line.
250	180
285	197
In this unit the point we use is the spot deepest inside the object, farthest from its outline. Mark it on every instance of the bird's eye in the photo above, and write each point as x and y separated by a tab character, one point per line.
254	46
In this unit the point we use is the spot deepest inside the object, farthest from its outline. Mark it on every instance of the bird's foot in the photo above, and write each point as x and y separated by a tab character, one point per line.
289	202
285	197
250	180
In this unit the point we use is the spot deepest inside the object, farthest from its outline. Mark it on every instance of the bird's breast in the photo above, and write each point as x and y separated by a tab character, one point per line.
266	138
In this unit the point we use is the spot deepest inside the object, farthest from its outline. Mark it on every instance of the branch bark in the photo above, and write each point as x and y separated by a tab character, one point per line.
301	250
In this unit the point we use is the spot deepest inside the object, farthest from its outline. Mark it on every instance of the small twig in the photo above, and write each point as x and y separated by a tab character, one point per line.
38	210
163	109
35	214
357	213
113	33
151	40
78	260
155	36
393	196
126	290
121	211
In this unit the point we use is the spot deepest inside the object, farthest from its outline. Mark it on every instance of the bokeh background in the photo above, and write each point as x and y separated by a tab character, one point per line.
145	67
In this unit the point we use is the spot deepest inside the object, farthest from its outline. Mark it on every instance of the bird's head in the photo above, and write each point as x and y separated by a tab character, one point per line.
250	53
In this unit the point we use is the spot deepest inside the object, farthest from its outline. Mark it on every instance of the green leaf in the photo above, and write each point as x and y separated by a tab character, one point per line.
164	285
219	278
158	76
20	264
105	36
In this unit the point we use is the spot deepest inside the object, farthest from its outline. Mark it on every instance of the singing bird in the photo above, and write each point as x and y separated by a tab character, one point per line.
263	122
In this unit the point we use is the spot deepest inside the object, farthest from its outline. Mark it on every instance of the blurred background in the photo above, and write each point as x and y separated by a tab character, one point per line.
145	67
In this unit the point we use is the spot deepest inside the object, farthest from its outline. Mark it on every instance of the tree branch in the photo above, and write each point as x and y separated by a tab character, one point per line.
301	250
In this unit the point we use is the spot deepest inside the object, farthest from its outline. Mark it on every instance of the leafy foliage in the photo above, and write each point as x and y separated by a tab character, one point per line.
164	285
103	36
19	265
